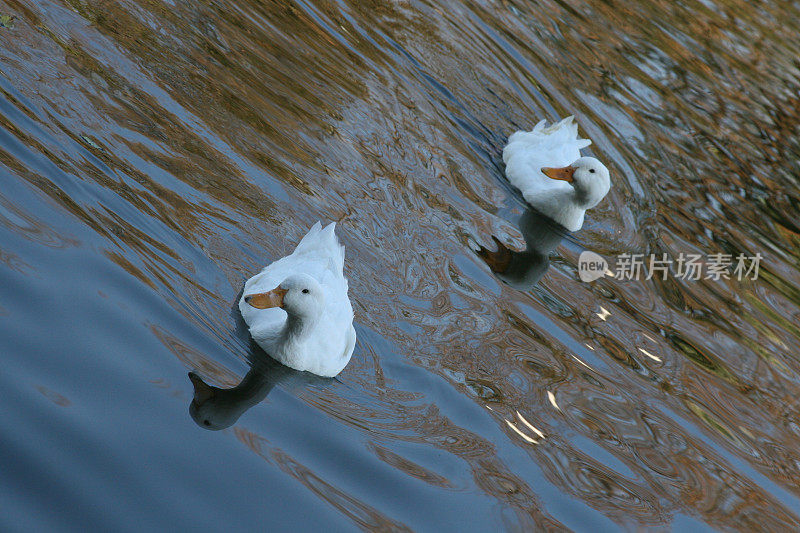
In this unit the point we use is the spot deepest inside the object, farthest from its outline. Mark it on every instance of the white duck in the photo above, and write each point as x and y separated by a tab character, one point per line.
297	308
546	166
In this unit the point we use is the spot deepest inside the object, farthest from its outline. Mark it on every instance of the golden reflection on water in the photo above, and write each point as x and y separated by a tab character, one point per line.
220	131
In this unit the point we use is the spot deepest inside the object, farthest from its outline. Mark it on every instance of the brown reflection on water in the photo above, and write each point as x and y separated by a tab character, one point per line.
184	133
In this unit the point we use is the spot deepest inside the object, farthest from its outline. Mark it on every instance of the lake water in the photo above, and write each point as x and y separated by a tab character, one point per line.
154	155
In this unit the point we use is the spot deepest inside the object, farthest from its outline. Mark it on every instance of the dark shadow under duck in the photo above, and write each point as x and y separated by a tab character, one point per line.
522	270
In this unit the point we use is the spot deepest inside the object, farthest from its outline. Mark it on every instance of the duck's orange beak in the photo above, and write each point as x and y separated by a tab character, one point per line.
564	174
265	300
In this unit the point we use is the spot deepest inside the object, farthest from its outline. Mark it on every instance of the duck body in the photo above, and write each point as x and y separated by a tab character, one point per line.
545	164
297	308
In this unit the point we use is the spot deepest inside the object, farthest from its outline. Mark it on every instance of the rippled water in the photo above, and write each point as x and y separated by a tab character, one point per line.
155	155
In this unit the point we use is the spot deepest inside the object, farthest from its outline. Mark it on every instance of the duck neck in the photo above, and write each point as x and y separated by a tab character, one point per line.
581	197
297	327
570	200
562	206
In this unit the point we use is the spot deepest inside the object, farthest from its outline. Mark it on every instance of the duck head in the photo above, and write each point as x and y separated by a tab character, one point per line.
299	295
588	176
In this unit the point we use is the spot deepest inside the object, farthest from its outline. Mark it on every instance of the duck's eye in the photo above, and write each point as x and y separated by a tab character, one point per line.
305	291
591	170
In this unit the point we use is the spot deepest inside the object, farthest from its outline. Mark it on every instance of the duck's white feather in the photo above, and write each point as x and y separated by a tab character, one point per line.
527	152
329	346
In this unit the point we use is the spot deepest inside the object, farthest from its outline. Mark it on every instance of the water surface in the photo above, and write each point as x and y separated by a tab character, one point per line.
155	155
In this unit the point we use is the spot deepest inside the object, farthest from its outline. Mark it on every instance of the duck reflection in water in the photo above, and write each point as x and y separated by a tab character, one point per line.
522	270
216	408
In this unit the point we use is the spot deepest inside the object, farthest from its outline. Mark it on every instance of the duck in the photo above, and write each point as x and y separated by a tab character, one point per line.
297	308
545	164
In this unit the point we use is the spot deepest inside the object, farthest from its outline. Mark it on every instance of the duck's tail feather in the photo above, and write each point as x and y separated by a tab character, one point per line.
562	133
323	241
310	239
336	249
